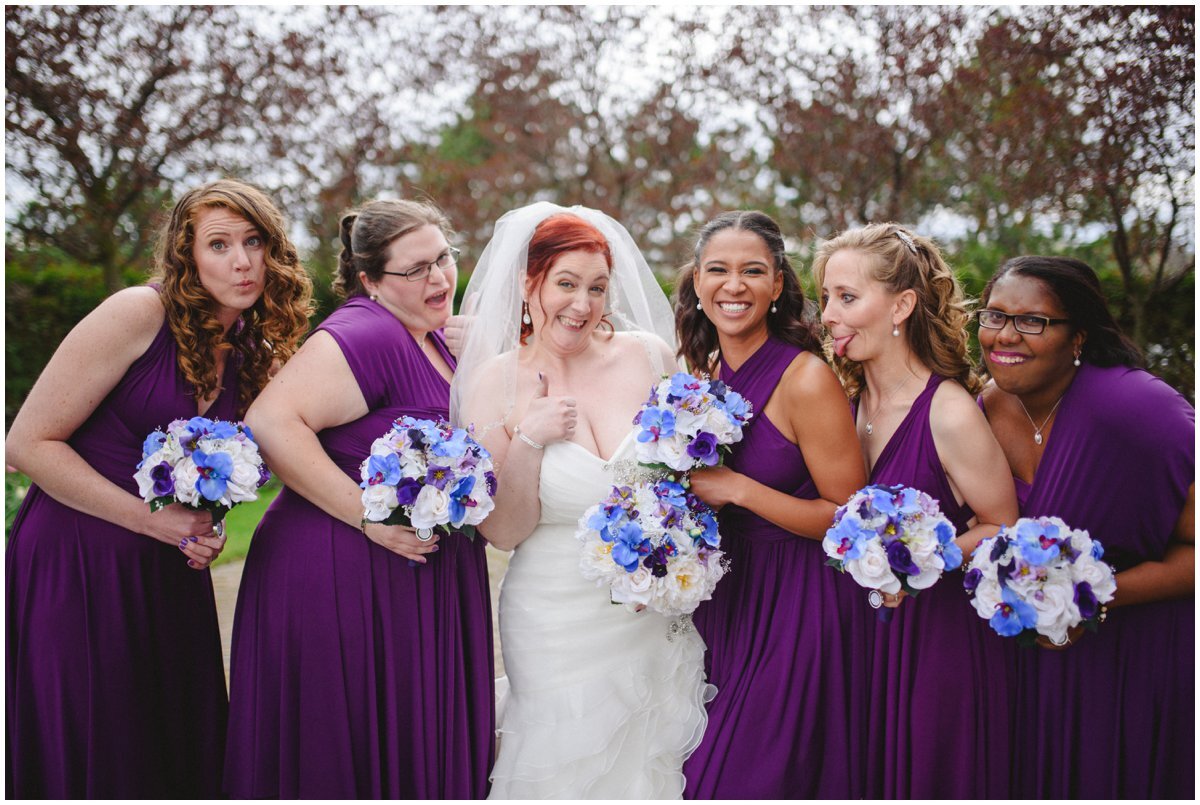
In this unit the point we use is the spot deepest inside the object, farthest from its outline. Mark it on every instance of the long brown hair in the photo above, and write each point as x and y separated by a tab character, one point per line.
795	319
267	332
937	328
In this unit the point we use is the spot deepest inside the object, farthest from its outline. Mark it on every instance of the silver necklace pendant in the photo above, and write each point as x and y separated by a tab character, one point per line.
1037	437
871	430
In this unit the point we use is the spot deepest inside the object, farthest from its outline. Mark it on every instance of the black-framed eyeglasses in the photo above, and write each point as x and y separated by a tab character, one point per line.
1022	322
444	261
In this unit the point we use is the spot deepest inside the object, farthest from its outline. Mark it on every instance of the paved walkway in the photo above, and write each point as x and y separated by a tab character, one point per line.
227	576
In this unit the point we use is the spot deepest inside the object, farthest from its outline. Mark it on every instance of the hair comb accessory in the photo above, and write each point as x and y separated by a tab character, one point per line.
907	240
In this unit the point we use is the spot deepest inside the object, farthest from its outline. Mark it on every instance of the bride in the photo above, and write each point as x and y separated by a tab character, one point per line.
570	333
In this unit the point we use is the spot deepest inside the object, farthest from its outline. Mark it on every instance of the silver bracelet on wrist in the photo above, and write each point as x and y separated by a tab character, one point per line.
521	435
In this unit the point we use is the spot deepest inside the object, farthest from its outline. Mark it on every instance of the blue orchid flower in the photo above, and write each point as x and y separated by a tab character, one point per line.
656	423
952	555
671	492
1036	544
1012	615
883	500
215	471
685	385
460	499
708	524
628	546
1097	550
382	470
224	430
153	444
945	533
453	447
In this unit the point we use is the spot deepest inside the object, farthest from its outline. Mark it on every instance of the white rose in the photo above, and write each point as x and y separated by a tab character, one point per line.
243	482
871	570
689	424
637	587
379	501
1098	575
186	475
1056	608
931	571
483	505
987	598
431	508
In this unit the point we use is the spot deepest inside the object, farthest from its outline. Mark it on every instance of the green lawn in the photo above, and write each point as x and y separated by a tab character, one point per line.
239	523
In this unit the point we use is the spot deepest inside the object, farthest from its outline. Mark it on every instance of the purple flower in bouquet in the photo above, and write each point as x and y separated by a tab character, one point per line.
164	483
704	448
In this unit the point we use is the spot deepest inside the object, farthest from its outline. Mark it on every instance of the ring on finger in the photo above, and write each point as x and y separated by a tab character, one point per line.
424	534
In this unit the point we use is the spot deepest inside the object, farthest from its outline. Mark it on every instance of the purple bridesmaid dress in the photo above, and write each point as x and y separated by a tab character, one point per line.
1113	716
114	681
941	679
354	673
783	724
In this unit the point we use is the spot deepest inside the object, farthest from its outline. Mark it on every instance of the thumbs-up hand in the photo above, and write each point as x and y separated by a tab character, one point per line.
549	418
458	327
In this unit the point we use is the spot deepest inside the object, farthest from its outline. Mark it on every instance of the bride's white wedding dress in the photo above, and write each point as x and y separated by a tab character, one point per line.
600	702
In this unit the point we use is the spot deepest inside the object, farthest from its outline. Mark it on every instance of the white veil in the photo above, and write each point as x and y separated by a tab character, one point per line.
494	293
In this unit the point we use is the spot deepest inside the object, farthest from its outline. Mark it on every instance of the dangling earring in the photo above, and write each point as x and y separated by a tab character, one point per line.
525	319
896	330
699	306
1077	353
774	309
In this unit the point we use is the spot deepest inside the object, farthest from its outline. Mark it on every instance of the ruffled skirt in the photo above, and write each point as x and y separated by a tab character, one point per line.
599	702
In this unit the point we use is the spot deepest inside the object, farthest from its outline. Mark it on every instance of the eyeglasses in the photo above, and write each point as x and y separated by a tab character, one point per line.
444	261
1022	323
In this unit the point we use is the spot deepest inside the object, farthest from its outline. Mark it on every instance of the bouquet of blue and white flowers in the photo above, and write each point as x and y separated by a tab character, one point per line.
653	544
202	463
689	422
1039	576
891	538
428	475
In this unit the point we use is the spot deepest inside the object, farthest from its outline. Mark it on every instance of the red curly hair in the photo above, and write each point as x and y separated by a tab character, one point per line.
269	331
554	237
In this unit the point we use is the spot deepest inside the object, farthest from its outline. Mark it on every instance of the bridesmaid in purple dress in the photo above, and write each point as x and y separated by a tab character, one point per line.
115	687
1109	448
940	679
362	656
783	724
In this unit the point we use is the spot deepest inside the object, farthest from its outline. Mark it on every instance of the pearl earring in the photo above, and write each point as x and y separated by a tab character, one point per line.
896	330
525	319
374	297
699	306
774	309
1076	358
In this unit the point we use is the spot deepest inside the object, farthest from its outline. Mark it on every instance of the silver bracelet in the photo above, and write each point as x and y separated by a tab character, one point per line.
520	435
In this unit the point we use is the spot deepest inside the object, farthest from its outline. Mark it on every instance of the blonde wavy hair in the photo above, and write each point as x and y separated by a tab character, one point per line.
937	327
269	331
